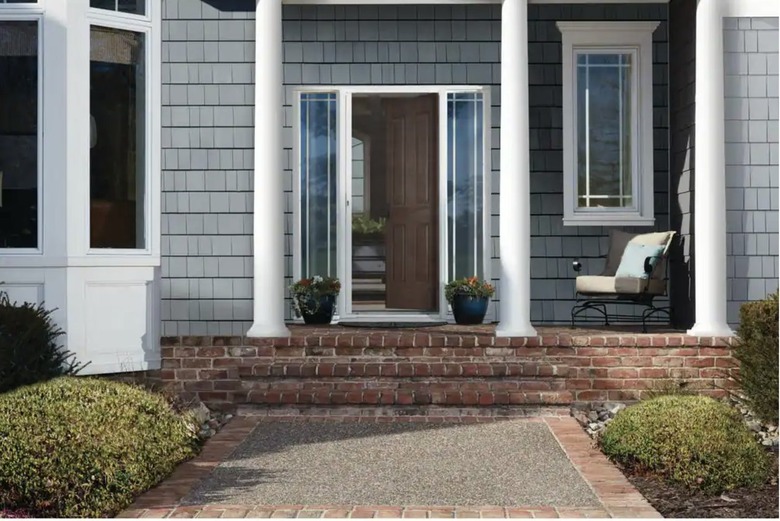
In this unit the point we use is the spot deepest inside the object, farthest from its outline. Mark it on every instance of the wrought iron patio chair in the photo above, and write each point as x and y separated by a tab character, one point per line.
596	292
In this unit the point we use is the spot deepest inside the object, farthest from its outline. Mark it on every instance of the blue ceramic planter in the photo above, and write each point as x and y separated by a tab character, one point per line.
323	311
469	310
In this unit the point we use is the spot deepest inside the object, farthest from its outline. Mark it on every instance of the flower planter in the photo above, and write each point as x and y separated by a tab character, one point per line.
469	310
318	311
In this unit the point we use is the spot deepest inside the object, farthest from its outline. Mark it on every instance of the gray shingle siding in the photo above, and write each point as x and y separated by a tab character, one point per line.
751	78
207	119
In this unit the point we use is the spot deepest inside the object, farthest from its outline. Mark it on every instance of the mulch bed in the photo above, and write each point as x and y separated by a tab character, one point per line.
677	501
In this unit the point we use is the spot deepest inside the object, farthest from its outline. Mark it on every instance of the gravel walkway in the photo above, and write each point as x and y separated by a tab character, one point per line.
508	463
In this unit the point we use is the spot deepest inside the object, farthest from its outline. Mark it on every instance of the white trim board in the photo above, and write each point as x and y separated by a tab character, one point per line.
750	8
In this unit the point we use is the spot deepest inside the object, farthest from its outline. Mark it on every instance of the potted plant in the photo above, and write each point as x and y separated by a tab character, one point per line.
469	298
314	298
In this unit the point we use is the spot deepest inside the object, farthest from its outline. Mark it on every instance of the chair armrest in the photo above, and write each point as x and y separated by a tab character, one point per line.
577	265
648	266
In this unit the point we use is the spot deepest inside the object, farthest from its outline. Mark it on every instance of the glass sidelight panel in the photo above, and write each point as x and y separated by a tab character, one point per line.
465	185
19	134
117	172
319	173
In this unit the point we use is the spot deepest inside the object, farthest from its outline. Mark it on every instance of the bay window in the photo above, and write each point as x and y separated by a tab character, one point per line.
80	172
607	123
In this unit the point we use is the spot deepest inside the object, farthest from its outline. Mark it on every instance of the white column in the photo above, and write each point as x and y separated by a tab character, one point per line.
515	185
709	233
268	313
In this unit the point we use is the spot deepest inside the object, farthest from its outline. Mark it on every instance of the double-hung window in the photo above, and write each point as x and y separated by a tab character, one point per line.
608	123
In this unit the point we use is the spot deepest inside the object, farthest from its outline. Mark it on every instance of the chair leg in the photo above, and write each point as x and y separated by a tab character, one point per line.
650	311
582	307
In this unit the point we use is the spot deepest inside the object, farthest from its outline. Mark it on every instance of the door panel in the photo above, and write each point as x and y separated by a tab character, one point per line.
412	227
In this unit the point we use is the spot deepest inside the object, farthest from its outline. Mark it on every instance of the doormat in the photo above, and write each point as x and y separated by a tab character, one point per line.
391	325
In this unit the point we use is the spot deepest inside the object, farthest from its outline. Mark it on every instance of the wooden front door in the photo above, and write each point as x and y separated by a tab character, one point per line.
412	275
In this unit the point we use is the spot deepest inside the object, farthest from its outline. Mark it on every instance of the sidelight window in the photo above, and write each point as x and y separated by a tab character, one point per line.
465	184
318	183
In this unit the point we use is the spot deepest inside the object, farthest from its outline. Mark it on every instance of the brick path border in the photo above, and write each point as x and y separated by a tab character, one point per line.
616	494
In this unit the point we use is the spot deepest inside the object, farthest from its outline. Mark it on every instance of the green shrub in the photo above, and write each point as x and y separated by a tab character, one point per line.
693	440
757	356
29	351
81	447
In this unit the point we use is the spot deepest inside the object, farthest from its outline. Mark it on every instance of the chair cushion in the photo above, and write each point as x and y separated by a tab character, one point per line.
618	240
599	285
632	264
654	238
617	244
595	284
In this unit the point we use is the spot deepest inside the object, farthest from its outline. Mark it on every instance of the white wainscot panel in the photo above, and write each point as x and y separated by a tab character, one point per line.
23	292
118	323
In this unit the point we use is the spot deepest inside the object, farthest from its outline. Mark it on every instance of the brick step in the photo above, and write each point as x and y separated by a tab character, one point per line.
413	413
431	384
404	369
328	395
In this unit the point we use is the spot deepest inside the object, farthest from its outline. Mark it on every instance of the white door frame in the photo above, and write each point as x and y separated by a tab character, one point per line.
344	198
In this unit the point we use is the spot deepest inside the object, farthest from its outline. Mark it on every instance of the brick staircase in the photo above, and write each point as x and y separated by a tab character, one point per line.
446	366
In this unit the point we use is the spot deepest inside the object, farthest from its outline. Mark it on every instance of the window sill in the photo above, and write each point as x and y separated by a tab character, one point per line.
616	219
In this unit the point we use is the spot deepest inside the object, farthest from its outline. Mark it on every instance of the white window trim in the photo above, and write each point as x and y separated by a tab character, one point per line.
344	176
31	13
637	38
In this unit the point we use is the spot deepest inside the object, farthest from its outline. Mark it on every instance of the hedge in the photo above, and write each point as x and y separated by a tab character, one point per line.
757	354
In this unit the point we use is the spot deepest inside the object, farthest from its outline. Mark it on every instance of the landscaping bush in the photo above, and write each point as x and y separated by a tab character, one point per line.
81	447
693	440
757	355
29	351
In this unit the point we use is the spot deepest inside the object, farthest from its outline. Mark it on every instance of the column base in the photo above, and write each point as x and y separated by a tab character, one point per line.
720	330
515	330
268	331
